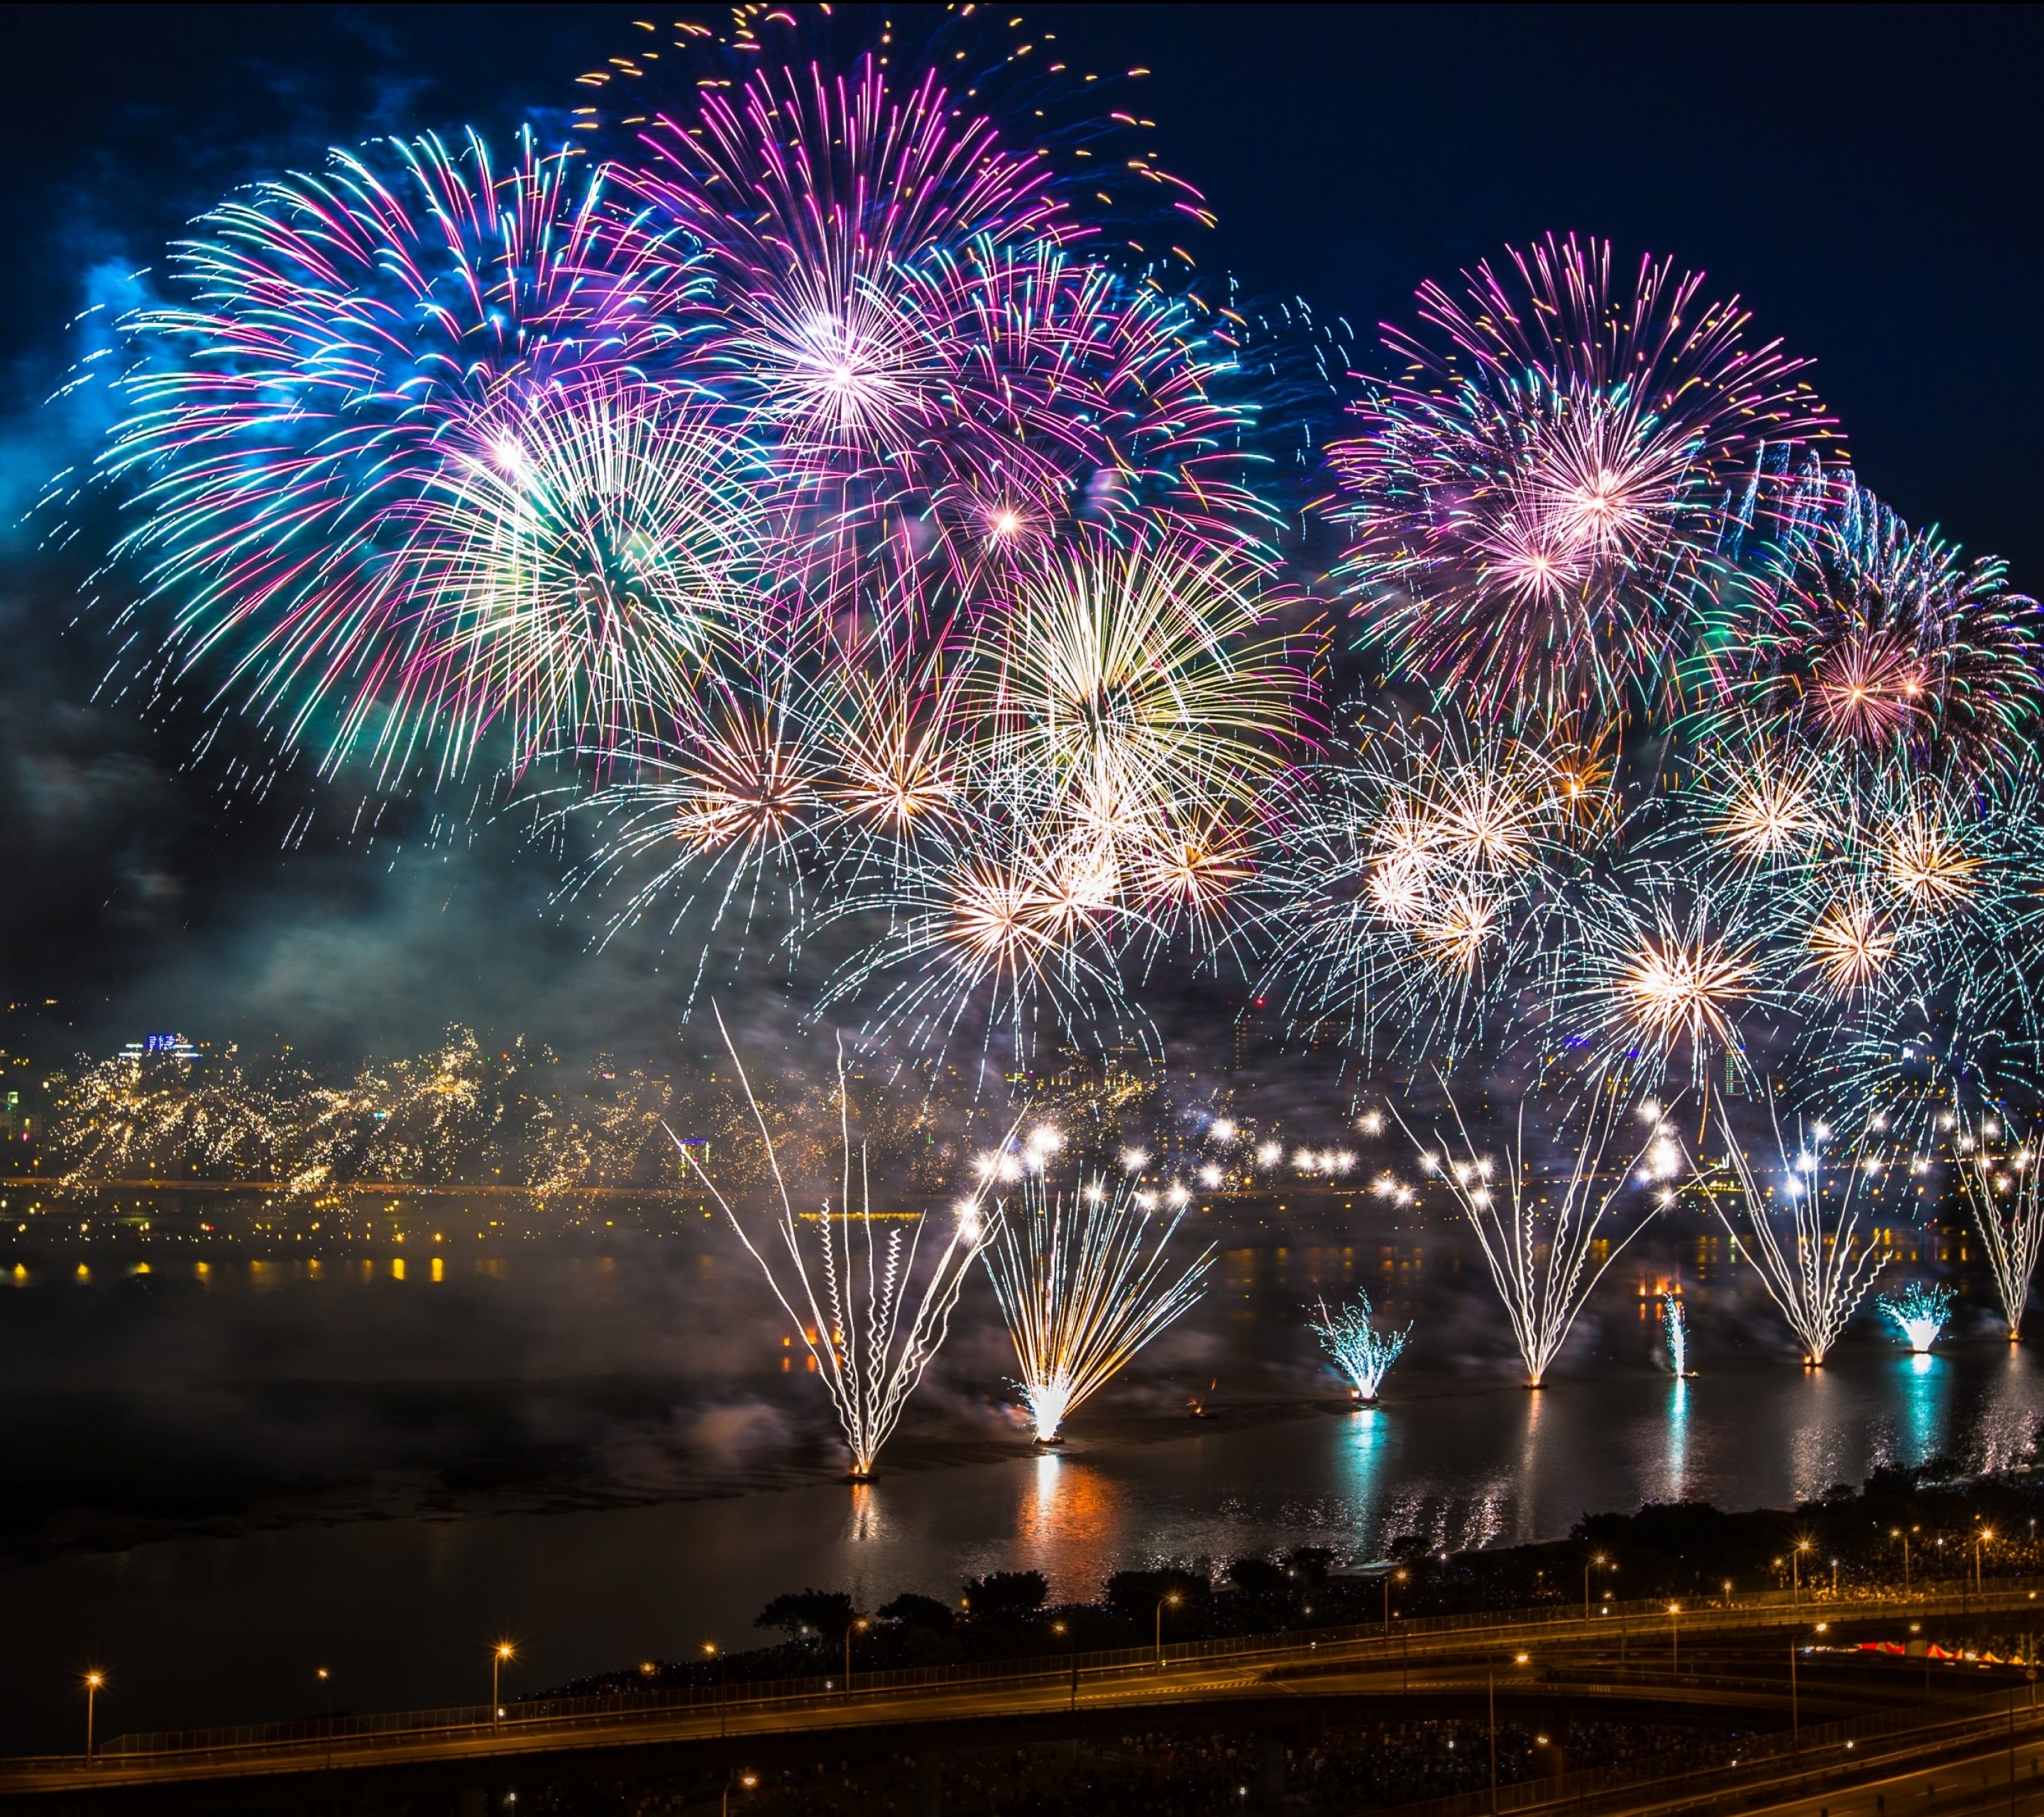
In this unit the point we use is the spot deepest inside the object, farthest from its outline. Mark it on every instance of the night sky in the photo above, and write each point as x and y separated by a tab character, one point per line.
1867	180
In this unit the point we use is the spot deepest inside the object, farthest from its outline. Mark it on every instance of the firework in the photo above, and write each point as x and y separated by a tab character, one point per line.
1871	637
1675	1326
1657	978
1810	1259
1538	1223
1418	868
1919	1313
1360	1351
1123	714
1538	500
851	1288
2004	1192
399	475
1084	1282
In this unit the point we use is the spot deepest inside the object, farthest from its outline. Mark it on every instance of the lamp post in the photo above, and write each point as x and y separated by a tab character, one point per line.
93	1681
1390	1577
1675	1640
748	1781
326	1705
712	1651
1796	1571
858	1625
1173	1600
1981	1535
1071	1647
1896	1533
503	1650
1588	1567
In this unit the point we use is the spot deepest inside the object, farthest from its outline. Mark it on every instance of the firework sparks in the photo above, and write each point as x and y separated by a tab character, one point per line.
1538	1236
1675	1327
1540	496
1085	1282
2004	1192
1359	1351
1812	1262
1919	1313
870	1331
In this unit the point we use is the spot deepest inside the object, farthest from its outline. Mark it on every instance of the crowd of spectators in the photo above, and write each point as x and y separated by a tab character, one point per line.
1175	1773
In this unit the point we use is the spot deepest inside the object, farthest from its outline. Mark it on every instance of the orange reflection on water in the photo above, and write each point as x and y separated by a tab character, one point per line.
1070	1522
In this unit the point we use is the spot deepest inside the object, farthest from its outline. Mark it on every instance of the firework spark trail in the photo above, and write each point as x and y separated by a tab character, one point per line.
1360	1351
1539	499
1917	1313
1675	1324
1817	1273
396	381
2005	1194
1538	1242
1872	638
1084	1282
871	1333
1422	866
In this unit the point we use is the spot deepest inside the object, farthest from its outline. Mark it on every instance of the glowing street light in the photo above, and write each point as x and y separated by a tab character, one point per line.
1172	1600
93	1681
502	1651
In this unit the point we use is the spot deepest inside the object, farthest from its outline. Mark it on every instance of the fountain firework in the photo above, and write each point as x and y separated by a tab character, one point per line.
1919	1313
2005	1194
1538	1240
1360	1351
1675	1323
1085	1282
1819	1272
871	1334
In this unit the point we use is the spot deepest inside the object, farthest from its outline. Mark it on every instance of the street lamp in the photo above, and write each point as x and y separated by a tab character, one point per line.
1980	1536
1587	1569
1796	1571
1896	1533
1173	1600
503	1650
1390	1577
748	1781
858	1625
326	1704
1071	1647
1675	1639
93	1681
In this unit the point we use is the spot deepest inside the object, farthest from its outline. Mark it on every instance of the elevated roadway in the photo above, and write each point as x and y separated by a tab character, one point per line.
1624	1657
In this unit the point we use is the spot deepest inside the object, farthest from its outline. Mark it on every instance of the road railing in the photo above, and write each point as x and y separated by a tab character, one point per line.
536	1722
1815	1754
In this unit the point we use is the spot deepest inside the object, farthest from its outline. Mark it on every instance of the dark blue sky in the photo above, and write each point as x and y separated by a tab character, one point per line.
1868	178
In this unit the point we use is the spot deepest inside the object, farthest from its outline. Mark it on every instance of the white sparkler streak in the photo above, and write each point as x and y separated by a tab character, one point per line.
869	1347
1084	1288
2005	1196
1539	1257
1676	1321
1360	1351
1817	1276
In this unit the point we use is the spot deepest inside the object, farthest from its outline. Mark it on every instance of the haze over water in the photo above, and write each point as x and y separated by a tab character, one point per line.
276	1466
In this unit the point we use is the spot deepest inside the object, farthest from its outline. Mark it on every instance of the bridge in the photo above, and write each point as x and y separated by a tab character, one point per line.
1624	1658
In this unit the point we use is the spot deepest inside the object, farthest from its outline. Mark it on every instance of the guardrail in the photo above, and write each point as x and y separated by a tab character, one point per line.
1816	1749
1361	1643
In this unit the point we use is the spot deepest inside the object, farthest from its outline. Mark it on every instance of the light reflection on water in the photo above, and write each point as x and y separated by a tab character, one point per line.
208	1630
